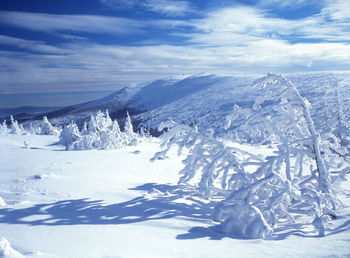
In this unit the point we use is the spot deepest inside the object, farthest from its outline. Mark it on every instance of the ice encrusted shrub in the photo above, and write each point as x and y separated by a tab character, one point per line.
219	170
100	132
15	128
69	134
33	128
46	128
3	128
261	194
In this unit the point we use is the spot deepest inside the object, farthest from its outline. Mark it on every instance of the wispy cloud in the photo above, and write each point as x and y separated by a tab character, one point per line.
32	45
288	4
171	8
84	23
337	10
241	24
90	66
236	39
168	7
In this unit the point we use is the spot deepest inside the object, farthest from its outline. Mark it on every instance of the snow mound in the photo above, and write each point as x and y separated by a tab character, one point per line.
6	250
2	202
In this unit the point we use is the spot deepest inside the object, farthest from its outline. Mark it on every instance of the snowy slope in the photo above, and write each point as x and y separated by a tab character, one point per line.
207	99
117	204
328	93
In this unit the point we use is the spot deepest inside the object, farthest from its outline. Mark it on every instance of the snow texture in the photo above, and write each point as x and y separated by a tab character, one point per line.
2	202
280	179
6	250
81	203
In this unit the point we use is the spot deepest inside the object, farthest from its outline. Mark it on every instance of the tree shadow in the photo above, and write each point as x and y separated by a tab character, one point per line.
159	202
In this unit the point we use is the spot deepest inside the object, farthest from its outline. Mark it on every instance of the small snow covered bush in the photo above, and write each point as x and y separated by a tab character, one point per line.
15	128
43	127
3	128
260	194
69	134
46	128
100	132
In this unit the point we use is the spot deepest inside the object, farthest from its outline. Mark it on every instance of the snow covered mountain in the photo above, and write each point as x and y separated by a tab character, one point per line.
207	99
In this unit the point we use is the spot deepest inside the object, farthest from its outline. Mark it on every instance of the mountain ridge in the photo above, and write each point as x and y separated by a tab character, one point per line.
207	99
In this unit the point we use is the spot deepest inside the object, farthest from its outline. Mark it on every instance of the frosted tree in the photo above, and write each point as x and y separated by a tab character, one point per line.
131	138
288	121
92	125
103	120
336	112
69	135
46	128
14	127
100	132
85	128
144	134
32	129
3	128
262	193
219	170
112	138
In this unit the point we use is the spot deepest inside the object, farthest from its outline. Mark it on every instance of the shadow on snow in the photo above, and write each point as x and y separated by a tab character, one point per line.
159	201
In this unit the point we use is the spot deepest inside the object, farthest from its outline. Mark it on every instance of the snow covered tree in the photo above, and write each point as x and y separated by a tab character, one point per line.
131	138
144	133
14	127
46	128
32	129
3	128
100	132
262	193
69	135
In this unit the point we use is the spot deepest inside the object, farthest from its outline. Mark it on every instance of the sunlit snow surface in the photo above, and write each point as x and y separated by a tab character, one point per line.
205	100
117	204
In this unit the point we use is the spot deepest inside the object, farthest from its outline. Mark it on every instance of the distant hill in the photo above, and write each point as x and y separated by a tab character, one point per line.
25	111
206	100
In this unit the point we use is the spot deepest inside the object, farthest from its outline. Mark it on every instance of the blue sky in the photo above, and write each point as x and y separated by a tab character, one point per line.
96	45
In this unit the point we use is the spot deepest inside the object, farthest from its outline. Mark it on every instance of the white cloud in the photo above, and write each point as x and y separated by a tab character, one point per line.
168	7
88	66
84	23
172	8
289	4
32	45
236	39
73	37
337	10
241	24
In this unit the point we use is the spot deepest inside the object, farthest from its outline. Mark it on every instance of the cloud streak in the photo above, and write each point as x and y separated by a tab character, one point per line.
171	8
84	23
241	39
37	46
168	7
96	66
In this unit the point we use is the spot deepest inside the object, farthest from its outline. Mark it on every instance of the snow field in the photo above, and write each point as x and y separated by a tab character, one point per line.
115	203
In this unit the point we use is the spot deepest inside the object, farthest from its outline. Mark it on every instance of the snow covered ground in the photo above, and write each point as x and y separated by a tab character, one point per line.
116	203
